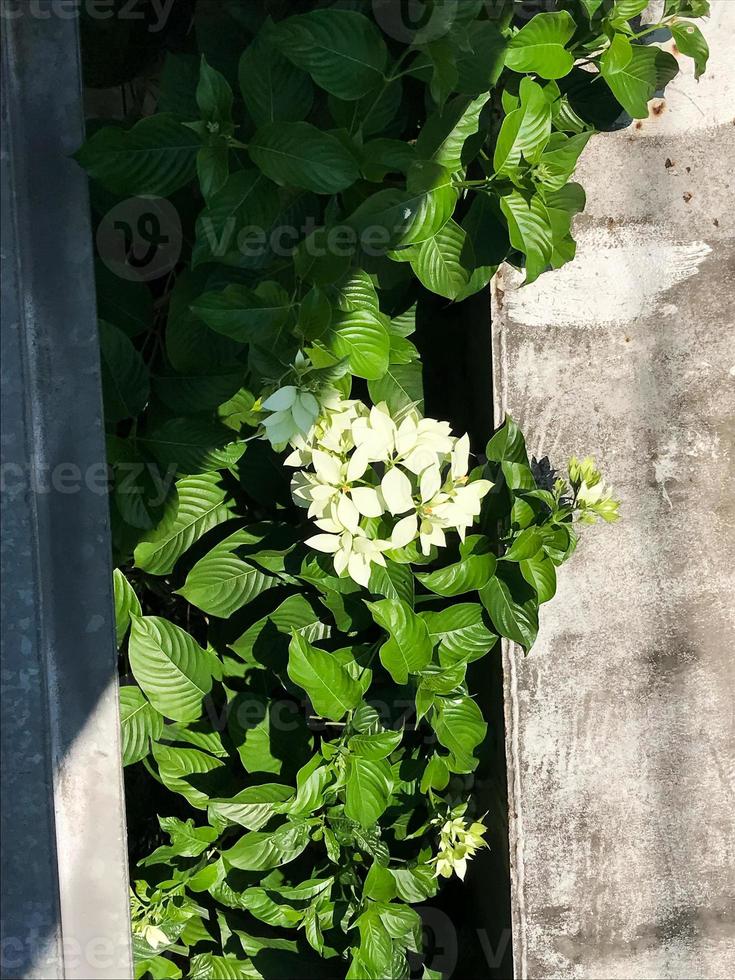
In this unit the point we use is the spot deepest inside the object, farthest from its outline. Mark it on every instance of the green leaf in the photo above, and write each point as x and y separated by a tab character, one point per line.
460	727
200	504
526	544
233	228
127	604
480	64
377	746
244	314
540	46
155	157
513	606
363	339
472	572
213	95
294	613
253	806
690	41
173	671
221	582
634	72
445	263
507	444
367	789
125	387
525	131
186	841
409	648
330	688
139	724
461	632
376	948
192	445
273	89
380	885
393	581
342	51
445	133
529	227
298	154
415	884
181	771
260	851
540	573
401	387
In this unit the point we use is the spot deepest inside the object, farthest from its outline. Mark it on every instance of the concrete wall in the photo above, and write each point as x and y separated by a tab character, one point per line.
620	727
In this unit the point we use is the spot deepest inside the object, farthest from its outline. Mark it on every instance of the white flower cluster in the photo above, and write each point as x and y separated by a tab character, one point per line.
458	844
373	483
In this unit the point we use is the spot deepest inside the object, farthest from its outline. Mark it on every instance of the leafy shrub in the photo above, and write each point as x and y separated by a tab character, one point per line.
305	692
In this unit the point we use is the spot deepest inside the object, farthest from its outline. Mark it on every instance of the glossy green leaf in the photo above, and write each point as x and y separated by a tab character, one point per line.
253	806
173	671
157	156
409	648
331	689
221	583
343	51
525	131
139	724
540	46
127	604
300	155
191	445
367	790
259	850
634	73
461	632
513	606
200	504
445	133
460	728
273	89
540	573
691	42
471	572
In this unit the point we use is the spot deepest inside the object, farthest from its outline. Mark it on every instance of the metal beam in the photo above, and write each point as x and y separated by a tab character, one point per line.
64	860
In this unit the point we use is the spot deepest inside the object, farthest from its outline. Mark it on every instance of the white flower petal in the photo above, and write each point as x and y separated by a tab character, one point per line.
347	513
357	465
340	561
397	491
358	567
430	482
281	400
328	543
404	532
328	467
368	502
461	457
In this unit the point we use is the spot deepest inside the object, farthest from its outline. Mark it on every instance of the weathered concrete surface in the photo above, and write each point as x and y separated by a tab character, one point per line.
63	854
620	725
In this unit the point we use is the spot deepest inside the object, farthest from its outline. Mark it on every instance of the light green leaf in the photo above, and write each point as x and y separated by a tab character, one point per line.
445	133
472	572
273	89
444	263
330	688
298	154
690	41
380	885
409	648
260	851
526	544
363	339
401	387
343	51
525	131
176	766
139	724
221	582
377	746
540	573
367	790
461	632
186	840
173	671
460	727
253	806
529	227
376	948
513	606
634	80
127	604
200	504
540	46
155	157
125	385
507	444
